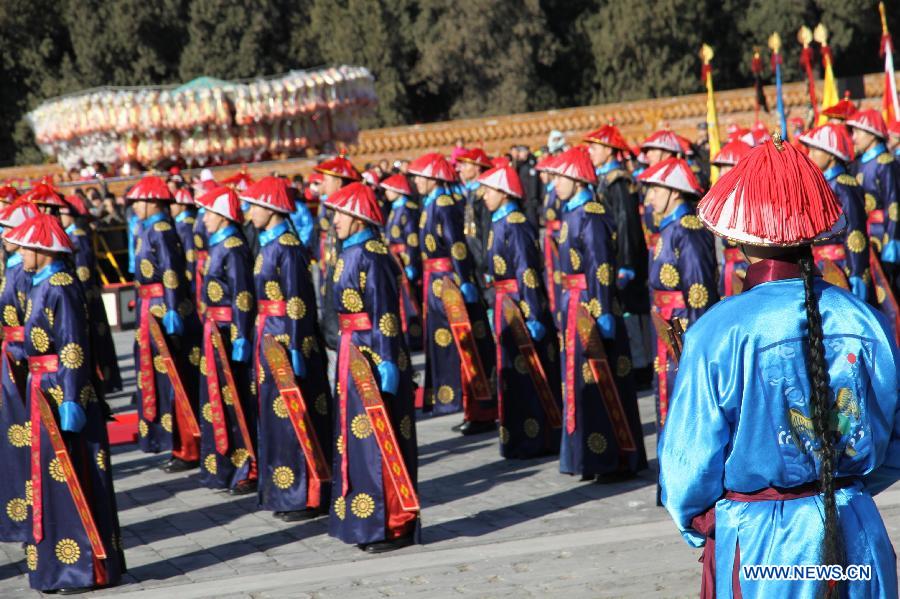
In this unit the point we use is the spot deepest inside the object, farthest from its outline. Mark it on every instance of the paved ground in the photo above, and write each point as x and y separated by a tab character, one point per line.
492	528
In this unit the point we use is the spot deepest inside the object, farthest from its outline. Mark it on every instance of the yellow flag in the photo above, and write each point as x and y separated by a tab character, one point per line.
712	120
829	86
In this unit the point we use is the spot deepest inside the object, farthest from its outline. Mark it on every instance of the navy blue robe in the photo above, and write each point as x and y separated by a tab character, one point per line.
402	233
56	324
445	254
683	281
286	298
102	346
513	250
159	265
587	256
229	305
14	445
366	284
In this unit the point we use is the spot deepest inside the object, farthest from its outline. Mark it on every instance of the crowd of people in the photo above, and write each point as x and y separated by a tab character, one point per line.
544	292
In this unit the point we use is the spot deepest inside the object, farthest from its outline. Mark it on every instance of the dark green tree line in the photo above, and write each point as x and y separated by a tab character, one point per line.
432	59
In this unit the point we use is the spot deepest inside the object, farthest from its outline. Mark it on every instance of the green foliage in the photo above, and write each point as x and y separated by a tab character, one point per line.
432	59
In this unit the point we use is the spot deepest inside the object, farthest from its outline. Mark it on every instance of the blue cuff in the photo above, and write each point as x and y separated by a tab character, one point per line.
693	538
535	329
240	350
410	273
71	417
390	377
490	319
858	287
172	323
470	293
891	251
625	276
607	324
298	363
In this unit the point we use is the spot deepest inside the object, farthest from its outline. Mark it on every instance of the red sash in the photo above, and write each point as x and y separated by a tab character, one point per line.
666	303
202	256
215	315
732	257
574	284
265	308
348	323
705	524
832	251
11	335
550	249
502	288
145	353
38	366
431	265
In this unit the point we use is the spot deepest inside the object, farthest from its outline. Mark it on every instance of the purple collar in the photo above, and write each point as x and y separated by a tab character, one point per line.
770	269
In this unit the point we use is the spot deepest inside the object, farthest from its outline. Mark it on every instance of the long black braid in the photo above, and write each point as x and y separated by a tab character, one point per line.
820	408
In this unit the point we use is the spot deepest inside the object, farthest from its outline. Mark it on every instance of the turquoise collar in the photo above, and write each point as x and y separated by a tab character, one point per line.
152	220
872	153
269	235
833	172
358	238
47	272
71	229
14	260
605	168
549	187
183	215
675	215
431	197
221	235
581	198
473	185
501	212
398	203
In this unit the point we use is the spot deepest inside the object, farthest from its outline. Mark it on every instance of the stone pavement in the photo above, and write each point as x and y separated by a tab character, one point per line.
491	528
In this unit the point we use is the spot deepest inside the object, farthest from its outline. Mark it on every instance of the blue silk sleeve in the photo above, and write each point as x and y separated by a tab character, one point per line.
692	446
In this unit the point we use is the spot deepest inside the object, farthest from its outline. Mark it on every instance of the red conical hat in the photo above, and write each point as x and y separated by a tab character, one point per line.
432	166
503	178
357	200
869	120
240	180
151	188
756	136
608	135
775	196
183	196
545	163
271	193
663	139
475	156
843	110
832	138
74	206
45	195
673	173
18	212
41	232
575	164
731	153
224	202
499	161
8	193
397	183
338	167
